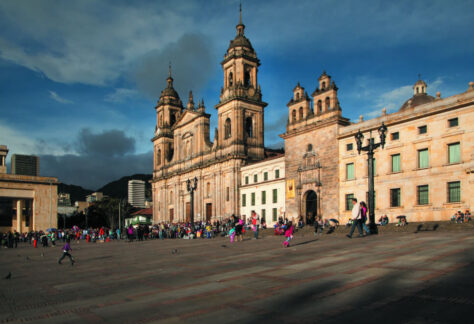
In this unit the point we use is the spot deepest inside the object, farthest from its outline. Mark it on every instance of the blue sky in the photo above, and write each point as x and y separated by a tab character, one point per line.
79	79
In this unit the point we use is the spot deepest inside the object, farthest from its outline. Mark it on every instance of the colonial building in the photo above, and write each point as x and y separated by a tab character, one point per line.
263	189
424	171
26	202
183	149
311	151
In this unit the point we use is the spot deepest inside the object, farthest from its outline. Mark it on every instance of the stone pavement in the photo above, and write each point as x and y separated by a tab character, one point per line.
391	278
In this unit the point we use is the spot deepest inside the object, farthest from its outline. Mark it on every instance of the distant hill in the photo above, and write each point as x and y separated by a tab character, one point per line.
119	188
77	192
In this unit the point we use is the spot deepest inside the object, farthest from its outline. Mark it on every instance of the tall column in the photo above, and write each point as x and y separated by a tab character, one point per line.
19	206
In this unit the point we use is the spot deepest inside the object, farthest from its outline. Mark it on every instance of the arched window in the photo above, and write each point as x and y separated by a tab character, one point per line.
301	113
297	96
417	90
247	80
170	151
231	79
171	197
320	108
249	126
293	115
160	120
172	118
208	189
327	103
227	129
323	86
158	157
422	89
310	147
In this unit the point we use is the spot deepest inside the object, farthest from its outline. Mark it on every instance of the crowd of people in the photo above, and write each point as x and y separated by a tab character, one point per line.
233	227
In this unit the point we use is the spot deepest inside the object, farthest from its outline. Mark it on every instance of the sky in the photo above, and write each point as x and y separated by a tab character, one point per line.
80	79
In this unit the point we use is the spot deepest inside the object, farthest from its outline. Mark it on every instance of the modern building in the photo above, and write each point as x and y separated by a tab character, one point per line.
27	202
263	189
136	193
183	148
95	196
424	172
64	199
25	165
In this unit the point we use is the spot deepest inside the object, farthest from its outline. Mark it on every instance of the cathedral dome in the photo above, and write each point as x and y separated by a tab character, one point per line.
420	96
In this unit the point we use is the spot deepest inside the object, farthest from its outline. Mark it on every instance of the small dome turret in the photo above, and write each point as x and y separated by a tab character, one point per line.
420	96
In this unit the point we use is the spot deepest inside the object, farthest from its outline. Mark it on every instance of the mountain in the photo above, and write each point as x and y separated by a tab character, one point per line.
77	192
119	188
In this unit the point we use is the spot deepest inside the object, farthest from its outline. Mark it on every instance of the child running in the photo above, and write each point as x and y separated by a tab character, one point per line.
288	234
232	234
66	249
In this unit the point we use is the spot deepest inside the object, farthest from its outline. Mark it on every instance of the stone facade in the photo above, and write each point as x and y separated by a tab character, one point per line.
432	126
321	156
311	151
27	202
183	149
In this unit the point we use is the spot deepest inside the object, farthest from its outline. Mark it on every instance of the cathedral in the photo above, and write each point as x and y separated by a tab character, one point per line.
425	171
183	149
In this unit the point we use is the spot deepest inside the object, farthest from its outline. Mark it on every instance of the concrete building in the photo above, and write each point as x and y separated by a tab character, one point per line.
25	165
183	149
95	196
3	159
424	172
136	193
263	189
27	202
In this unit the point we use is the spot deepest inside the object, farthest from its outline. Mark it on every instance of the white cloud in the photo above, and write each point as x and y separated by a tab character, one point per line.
91	42
121	95
53	95
392	100
18	142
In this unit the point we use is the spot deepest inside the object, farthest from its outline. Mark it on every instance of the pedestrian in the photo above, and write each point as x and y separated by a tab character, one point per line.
356	217
363	210
288	234
66	249
317	227
255	224
232	234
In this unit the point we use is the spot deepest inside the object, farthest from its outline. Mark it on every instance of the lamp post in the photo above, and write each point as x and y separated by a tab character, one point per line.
191	188
370	162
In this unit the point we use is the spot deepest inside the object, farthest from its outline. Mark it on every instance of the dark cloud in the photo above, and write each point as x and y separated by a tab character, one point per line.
102	157
193	65
94	171
108	143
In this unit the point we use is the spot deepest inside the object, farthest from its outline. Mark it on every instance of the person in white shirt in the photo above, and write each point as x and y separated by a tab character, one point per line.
357	218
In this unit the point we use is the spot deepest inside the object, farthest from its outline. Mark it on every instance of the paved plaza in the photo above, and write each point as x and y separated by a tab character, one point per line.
390	278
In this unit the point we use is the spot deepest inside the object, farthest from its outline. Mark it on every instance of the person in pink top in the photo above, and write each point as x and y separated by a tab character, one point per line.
288	234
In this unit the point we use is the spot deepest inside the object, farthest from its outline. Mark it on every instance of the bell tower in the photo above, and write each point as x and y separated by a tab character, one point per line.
168	110
240	108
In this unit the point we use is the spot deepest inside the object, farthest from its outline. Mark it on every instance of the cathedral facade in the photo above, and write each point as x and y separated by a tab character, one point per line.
183	149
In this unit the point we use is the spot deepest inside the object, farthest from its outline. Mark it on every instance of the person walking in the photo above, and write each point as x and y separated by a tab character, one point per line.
255	224
288	234
66	249
356	217
363	211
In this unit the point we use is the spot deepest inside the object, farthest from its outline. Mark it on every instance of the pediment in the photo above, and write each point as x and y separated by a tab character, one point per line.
185	118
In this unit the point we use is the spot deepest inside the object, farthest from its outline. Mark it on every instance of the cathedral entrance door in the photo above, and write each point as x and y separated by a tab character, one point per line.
310	206
171	215
188	212
208	212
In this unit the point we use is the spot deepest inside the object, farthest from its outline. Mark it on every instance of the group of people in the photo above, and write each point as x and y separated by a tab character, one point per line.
460	217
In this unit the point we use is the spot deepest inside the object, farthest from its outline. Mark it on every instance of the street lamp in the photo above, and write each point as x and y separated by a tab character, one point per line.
370	161
191	188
